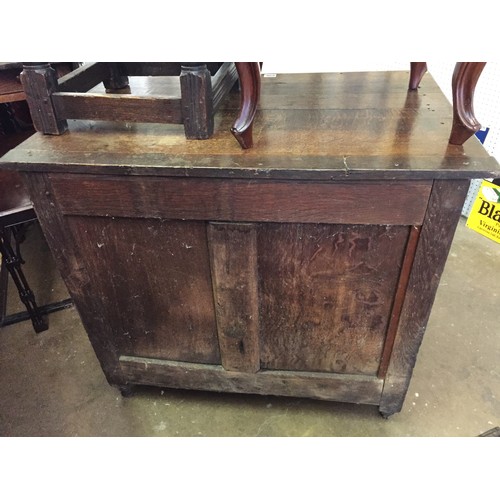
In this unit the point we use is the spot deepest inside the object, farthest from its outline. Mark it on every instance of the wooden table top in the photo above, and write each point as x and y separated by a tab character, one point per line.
308	126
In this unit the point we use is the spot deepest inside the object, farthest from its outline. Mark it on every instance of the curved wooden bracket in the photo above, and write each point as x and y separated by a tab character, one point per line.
417	72
464	82
249	75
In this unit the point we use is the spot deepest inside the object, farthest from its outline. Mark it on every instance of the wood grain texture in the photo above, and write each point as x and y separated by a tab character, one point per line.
197	102
66	252
437	232
399	297
153	281
316	126
326	294
233	252
39	83
244	201
332	387
117	107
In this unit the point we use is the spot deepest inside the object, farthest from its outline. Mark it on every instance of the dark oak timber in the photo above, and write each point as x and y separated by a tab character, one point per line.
305	266
434	243
203	87
233	250
40	82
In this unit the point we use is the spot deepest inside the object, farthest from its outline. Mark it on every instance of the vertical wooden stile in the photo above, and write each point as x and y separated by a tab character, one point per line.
233	256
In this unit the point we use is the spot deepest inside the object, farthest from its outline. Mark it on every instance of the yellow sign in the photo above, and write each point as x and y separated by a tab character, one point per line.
485	214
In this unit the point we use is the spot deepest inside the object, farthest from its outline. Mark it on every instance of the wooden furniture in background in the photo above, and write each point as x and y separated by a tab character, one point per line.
306	266
16	209
203	88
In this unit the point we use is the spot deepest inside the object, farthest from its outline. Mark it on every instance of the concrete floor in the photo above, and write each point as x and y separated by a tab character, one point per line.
52	384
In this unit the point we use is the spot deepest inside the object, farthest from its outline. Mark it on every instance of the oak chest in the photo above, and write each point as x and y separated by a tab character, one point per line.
306	266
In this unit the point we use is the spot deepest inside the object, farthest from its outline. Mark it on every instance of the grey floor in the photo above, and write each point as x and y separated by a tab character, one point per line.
51	383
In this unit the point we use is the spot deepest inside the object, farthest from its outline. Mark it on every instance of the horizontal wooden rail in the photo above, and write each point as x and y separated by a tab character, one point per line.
326	386
119	107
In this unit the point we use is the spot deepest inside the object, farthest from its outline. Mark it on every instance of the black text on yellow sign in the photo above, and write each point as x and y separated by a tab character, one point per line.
484	216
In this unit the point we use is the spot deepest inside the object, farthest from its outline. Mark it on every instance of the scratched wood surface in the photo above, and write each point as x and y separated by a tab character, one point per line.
326	294
275	270
307	126
153	280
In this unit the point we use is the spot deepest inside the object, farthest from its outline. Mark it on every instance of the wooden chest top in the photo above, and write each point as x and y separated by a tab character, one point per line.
308	126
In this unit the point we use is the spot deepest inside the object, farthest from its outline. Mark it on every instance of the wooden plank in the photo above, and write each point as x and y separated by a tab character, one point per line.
69	261
83	78
245	201
445	206
40	82
118	107
233	254
152	279
331	387
399	300
326	293
406	140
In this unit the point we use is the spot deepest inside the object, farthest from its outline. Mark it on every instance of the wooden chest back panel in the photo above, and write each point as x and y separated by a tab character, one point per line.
326	294
153	278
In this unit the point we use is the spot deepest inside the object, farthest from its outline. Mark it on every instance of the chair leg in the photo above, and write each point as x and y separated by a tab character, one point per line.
40	82
464	82
13	263
249	74
417	72
197	101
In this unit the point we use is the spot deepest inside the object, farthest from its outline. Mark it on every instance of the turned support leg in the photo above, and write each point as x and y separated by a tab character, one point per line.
117	80
417	72
464	82
249	75
197	101
39	83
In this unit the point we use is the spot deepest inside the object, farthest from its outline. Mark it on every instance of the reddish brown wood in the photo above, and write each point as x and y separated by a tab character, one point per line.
249	75
417	72
233	252
465	78
399	300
